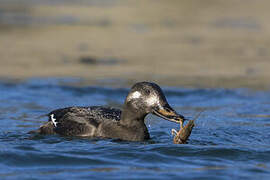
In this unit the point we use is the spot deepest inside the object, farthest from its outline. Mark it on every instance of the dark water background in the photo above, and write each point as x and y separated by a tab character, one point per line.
230	141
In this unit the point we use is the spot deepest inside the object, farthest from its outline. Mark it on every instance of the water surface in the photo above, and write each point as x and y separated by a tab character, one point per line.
230	141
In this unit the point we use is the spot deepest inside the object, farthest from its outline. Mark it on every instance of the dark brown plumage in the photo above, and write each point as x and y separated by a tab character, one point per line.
105	122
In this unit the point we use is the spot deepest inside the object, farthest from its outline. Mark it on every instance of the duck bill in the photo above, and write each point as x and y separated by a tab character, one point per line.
166	112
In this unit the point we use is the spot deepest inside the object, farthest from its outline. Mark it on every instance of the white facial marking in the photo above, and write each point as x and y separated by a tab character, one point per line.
53	120
135	94
152	100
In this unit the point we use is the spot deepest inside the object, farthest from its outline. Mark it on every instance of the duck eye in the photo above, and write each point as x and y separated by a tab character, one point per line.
147	91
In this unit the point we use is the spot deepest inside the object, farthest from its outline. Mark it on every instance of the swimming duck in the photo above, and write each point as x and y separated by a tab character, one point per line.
105	122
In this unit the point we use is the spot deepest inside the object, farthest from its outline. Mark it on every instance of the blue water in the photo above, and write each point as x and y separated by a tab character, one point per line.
231	139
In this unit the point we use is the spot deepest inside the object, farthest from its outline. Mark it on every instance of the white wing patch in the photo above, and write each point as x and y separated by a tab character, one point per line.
53	120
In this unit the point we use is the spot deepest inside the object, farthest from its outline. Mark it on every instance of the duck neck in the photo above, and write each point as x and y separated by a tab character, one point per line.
132	117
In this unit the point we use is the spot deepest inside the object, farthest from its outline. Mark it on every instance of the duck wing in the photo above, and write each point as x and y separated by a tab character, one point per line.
79	121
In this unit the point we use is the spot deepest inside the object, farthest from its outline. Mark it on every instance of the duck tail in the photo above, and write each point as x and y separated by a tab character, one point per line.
47	128
34	131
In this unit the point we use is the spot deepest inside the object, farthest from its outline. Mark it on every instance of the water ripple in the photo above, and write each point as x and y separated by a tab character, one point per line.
230	139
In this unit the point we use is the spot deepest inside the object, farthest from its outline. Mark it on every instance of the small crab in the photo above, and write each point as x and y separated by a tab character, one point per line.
181	136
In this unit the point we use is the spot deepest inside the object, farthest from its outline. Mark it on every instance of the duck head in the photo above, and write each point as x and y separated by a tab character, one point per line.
145	98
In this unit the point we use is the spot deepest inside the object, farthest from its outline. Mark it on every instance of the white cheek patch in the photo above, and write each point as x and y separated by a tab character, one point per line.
134	95
53	120
152	100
